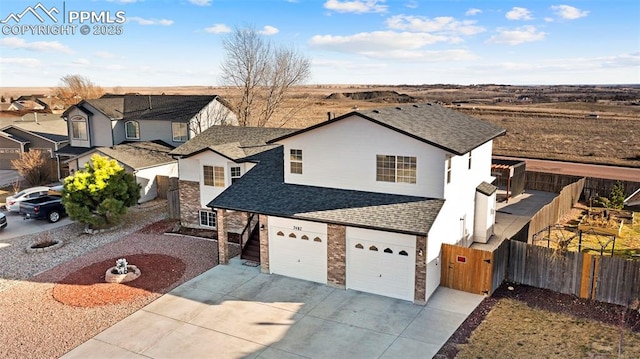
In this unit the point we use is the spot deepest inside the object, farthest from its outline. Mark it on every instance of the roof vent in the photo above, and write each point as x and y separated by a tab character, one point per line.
415	105
376	111
429	104
398	108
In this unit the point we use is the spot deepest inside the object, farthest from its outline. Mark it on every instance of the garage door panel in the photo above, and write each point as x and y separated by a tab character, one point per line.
381	268
298	253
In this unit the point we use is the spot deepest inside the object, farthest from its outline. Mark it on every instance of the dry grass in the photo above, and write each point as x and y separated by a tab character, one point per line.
514	330
556	129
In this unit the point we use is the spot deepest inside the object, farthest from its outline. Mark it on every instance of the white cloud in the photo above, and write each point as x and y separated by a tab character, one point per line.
473	12
143	21
423	56
201	2
18	43
519	13
81	61
356	6
269	30
412	4
115	67
375	41
517	36
439	24
218	29
568	12
104	55
23	61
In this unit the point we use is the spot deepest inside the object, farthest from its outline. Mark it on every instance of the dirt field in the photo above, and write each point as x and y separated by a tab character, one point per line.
590	124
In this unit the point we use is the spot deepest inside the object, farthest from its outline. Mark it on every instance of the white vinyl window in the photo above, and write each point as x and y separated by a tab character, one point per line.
235	174
78	128
179	131
132	130
208	219
448	169
400	169
296	161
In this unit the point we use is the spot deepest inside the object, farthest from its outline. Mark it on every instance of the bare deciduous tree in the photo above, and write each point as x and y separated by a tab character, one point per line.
34	166
75	88
262	72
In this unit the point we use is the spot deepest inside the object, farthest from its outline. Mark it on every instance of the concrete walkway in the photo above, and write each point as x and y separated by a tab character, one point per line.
235	311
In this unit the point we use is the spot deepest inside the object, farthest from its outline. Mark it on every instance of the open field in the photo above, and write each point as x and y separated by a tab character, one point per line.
547	122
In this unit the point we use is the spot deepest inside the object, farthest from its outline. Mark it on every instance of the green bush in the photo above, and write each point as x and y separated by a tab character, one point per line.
100	194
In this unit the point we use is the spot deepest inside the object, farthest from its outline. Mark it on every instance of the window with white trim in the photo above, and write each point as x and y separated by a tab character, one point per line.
449	169
296	161
213	176
179	131
132	130
401	169
79	128
236	173
469	159
207	218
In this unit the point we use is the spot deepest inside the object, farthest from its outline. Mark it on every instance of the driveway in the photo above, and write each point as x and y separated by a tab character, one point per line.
17	226
234	311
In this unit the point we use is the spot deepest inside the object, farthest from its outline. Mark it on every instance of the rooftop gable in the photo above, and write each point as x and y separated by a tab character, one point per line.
441	127
233	142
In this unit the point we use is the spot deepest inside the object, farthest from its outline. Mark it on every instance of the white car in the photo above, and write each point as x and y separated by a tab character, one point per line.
13	202
3	221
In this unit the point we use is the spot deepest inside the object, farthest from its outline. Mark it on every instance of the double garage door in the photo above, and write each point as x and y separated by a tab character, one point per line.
378	262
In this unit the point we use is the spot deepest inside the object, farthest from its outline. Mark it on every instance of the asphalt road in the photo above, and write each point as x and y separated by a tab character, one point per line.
580	169
16	226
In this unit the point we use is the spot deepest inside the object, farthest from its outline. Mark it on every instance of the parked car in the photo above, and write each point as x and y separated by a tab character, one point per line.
13	202
3	221
45	207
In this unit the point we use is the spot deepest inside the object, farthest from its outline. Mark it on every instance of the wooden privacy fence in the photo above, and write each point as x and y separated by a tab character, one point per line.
473	270
606	279
173	203
551	212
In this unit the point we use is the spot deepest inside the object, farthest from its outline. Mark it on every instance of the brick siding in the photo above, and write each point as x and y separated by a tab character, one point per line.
189	203
421	271
336	256
264	244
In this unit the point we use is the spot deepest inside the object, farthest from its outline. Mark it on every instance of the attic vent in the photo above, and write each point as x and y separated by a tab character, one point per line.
398	108
376	111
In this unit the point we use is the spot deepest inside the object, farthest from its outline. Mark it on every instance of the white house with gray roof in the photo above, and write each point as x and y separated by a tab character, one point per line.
365	201
139	131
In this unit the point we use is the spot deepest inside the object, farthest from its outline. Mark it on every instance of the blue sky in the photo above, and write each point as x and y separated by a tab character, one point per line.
174	43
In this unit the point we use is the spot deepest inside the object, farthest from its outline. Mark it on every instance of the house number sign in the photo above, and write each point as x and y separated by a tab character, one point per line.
296	228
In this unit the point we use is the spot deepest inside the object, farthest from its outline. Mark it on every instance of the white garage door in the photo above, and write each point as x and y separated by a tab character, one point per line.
298	249
381	263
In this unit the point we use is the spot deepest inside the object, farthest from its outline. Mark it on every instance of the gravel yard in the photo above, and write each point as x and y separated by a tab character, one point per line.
37	325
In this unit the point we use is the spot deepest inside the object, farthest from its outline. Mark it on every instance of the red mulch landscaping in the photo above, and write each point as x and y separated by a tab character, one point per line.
87	288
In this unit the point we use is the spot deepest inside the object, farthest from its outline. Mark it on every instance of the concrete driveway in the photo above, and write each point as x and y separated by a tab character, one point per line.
17	226
234	311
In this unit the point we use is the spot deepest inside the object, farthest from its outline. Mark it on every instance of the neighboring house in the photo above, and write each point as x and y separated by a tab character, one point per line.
144	159
20	136
633	199
115	119
363	201
21	105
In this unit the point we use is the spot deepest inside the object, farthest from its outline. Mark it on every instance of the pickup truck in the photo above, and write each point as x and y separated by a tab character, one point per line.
49	207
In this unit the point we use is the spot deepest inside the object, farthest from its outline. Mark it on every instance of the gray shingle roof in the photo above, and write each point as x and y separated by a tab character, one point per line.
138	155
179	108
448	129
234	142
72	151
262	190
486	188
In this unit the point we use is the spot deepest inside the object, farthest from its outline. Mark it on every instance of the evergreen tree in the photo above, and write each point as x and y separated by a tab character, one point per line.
99	194
616	197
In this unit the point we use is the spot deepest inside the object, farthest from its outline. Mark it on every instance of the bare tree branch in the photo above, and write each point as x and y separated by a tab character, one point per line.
264	75
75	88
